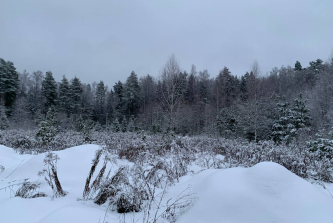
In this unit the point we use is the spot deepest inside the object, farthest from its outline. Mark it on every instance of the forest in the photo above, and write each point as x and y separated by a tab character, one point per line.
289	104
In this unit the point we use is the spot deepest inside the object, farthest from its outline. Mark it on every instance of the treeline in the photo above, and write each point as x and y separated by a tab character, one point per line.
288	104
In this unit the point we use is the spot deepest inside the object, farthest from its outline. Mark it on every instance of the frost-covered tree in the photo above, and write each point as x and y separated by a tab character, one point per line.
115	125
85	127
284	129
47	127
226	123
171	90
301	117
291	120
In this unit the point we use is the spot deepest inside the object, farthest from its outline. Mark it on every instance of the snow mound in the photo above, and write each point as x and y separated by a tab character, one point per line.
266	192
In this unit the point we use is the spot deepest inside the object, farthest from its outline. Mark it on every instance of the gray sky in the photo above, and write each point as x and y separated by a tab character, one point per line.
106	40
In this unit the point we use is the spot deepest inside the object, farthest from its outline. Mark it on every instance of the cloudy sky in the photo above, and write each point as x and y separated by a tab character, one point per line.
106	40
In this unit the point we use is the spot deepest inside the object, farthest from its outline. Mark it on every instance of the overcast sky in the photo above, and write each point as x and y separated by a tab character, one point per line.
106	40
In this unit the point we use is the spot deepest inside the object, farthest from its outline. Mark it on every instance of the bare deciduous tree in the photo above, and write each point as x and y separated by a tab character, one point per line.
171	90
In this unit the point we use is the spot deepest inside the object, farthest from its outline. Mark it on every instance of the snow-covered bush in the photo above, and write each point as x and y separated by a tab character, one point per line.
308	160
122	191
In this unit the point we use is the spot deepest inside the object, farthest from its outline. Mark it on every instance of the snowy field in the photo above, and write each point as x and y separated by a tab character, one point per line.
266	192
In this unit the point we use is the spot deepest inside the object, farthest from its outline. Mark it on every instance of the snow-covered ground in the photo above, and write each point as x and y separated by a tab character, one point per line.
266	192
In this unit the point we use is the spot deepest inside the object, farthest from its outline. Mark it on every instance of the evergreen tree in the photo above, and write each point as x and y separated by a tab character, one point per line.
301	118
109	106
76	95
100	102
64	96
132	95
119	95
87	101
204	86
148	89
243	87
226	122
84	127
9	83
190	93
115	125
298	66
49	91
47	127
291	120
283	129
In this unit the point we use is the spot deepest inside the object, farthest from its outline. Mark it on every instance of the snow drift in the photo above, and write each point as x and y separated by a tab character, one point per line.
266	192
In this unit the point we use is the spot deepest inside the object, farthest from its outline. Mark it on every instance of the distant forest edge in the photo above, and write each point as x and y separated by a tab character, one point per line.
290	104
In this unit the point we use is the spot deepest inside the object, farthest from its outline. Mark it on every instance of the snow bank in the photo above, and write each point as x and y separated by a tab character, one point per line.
267	192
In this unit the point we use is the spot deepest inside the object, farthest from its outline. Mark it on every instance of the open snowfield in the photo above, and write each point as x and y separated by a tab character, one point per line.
266	192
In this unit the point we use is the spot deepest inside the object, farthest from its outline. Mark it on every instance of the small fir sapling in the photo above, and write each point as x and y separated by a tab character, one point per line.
47	127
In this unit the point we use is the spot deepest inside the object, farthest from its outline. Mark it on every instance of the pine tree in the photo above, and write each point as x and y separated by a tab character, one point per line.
301	117
115	125
291	120
109	107
190	93
9	81
226	123
100	102
132	95
87	101
243	87
64	96
49	91
75	95
119	97
84	127
47	127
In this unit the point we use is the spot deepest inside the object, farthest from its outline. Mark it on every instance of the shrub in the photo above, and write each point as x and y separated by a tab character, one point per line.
51	175
27	190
